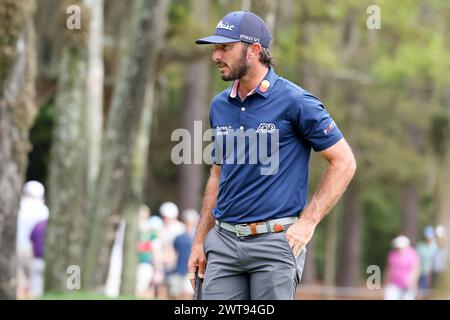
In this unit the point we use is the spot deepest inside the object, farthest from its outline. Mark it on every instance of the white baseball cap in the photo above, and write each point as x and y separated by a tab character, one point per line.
34	189
440	231
155	222
400	242
169	210
190	215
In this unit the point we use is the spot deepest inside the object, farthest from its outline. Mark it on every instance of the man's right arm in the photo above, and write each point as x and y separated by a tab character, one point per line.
197	259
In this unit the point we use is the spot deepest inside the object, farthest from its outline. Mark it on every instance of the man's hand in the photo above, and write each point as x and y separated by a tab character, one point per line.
197	263
299	234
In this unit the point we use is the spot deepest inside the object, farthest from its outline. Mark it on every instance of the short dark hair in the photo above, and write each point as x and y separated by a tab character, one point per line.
265	56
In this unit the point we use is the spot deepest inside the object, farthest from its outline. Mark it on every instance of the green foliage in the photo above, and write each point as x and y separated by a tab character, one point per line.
438	132
83	295
285	53
381	223
41	140
394	116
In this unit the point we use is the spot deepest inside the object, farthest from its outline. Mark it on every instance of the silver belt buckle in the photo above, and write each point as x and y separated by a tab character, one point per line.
240	228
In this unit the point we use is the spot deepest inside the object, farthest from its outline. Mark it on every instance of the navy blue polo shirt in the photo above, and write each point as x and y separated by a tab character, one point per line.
302	123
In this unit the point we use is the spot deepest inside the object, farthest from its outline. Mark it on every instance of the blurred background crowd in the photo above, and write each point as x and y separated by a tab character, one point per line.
164	245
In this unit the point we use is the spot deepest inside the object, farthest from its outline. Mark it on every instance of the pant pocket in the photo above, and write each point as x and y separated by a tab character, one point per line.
206	241
299	260
288	247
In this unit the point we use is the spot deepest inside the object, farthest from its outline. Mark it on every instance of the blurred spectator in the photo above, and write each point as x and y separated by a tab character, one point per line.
440	258
32	211
403	267
149	253
37	238
426	250
156	285
172	228
179	284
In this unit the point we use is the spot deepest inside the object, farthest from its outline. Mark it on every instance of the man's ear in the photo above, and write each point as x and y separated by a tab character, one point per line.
255	50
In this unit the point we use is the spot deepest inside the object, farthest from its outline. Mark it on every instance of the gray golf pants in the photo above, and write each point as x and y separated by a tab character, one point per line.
261	267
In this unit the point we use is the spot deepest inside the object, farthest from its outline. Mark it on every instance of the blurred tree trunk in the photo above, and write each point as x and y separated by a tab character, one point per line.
410	212
285	14
94	97
443	290
331	250
136	196
267	10
48	38
117	16
311	82
246	5
350	244
349	254
17	115
116	30
137	69
75	148
309	275
195	95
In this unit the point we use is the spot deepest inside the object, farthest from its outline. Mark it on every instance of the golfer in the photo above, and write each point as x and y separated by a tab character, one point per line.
255	223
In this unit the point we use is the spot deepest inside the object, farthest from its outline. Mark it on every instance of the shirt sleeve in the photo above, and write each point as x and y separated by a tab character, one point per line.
315	124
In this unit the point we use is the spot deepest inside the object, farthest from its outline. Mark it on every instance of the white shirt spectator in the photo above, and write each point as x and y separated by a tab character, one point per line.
31	211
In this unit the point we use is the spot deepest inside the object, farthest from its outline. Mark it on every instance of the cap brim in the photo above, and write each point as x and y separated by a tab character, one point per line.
215	39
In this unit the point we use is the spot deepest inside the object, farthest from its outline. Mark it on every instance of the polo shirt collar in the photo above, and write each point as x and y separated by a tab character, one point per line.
262	88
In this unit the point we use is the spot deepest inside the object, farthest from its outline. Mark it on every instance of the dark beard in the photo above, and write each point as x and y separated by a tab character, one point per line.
240	69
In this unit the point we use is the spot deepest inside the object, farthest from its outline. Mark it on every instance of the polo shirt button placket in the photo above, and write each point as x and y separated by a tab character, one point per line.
242	115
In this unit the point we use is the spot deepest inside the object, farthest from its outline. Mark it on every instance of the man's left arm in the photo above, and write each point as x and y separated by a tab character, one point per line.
341	169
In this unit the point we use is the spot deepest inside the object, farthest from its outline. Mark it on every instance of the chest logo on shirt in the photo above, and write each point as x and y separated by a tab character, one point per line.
222	130
266	128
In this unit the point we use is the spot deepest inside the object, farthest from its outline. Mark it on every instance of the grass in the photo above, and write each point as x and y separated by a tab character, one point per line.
83	295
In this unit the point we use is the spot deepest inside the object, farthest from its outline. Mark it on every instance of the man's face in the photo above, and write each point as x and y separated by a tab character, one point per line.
231	58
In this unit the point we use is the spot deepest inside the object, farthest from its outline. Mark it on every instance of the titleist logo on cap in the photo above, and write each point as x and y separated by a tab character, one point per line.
226	26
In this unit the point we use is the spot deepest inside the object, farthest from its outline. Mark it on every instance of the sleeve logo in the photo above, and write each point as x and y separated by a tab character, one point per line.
330	128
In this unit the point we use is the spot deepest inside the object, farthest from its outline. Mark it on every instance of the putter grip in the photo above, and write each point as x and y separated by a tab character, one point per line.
198	287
